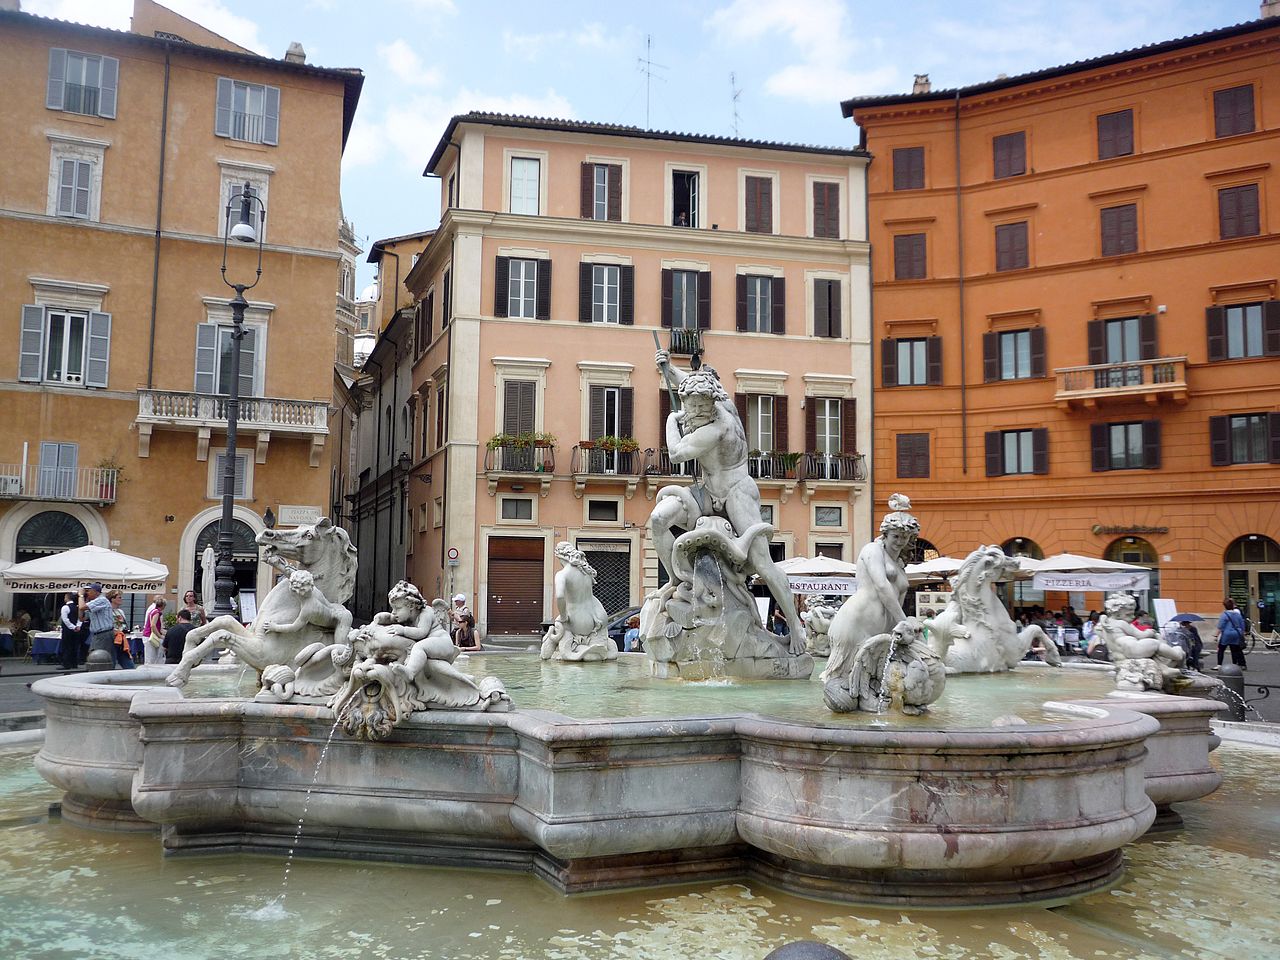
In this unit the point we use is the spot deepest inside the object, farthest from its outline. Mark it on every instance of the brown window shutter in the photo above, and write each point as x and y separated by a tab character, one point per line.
666	298
1110	233
764	205
542	308
1273	427
1129	228
826	210
1038	365
1271	328
1220	441
1106	136
1097	343
704	300
990	358
781	434
742	303
778	304
626	411
819	209
888	362
901	178
627	294
1151	444
1247	210
518	414
811	425
1215	321
614	192
822	308
1228	221
849	426
501	285
740	404
1147	336
933	361
595	415
1040	450
1100	446
834	300
588	191
664	411
1244	109
994	442
586	273
1021	253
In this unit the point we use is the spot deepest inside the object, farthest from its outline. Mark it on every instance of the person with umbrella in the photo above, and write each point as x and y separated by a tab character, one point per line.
1180	631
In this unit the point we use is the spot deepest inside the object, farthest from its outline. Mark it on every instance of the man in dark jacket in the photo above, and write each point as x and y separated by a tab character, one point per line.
73	633
175	638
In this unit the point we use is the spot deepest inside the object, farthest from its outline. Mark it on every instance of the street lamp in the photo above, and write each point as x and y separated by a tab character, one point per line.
244	232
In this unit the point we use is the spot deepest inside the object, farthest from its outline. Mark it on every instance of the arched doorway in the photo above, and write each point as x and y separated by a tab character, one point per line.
244	555
1021	593
1251	575
48	532
1138	553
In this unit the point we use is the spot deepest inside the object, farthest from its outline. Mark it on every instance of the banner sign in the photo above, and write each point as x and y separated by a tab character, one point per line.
1092	581
26	585
838	586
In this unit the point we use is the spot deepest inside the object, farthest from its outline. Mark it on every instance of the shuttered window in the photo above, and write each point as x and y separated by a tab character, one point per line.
83	83
1009	155
214	367
1013	452
519	406
1115	134
761	304
911	361
240	490
1119	229
1233	111
75	180
1125	446
759	204
67	347
826	210
1238	211
826	308
759	422
522	288
601	190
908	168
1244	330
1013	354
446	301
1011	246
686	299
1244	438
909	256
606	293
913	455
247	111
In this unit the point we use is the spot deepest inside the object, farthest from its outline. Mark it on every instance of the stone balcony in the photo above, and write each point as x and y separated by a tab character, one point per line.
1150	381
204	413
66	484
520	464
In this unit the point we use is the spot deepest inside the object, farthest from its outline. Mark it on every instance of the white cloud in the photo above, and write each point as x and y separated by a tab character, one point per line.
405	63
433	6
530	46
115	14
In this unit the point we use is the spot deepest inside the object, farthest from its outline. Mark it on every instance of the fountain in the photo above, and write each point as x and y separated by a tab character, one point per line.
579	633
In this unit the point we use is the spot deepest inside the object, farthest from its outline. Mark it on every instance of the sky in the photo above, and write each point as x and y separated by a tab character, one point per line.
791	63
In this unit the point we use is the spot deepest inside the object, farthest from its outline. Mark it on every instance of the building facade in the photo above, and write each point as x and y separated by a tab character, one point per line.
569	251
1076	318
124	150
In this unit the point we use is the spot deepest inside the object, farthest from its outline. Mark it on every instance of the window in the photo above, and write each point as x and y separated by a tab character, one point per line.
908	168
1126	446
1115	134
909	256
826	308
604	293
519	410
609	414
832	551
1011	246
243	487
913	455
1233	111
233	183
525	174
1119	229
826	210
1013	354
446	302
442	417
67	347
74	183
522	288
1123	340
828	517
1244	438
451	198
1238	211
517	508
57	476
601	191
911	361
686	299
82	83
827	425
684	198
602	511
759	204
248	112
75	177
1011	452
1244	330
766	512
213	360
1009	152
760	422
756	307
423	314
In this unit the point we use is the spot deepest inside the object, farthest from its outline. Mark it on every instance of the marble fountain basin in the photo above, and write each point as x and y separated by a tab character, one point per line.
928	813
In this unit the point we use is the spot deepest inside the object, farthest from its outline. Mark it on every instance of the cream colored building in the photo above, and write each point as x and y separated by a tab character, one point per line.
564	250
122	150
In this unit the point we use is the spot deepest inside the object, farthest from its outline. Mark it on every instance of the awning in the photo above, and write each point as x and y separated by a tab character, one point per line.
1072	572
76	569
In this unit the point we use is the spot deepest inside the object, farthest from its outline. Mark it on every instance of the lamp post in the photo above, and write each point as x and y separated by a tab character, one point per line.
244	232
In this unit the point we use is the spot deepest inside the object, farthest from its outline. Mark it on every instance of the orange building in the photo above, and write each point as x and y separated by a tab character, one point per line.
1075	302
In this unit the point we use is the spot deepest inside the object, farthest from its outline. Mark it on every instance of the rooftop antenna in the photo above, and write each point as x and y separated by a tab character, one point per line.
736	94
647	65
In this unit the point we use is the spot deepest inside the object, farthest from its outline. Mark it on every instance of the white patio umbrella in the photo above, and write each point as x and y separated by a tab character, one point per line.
939	568
820	575
76	569
1070	571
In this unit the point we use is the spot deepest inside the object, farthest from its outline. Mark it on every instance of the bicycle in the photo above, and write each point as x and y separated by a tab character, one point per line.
1270	641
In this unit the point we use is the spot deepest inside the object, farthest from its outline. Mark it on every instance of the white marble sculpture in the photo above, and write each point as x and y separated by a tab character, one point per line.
876	608
208	577
819	611
896	670
1143	661
710	539
580	631
303	609
974	632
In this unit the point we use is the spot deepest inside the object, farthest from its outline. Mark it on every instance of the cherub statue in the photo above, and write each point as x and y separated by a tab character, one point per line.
1125	642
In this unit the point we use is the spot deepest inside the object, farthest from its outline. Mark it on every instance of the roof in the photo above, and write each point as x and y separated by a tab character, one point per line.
618	130
375	251
847	107
352	79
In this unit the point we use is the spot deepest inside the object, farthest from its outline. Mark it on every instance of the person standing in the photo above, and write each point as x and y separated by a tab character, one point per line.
198	617
120	640
631	639
72	632
102	621
1231	634
152	632
175	637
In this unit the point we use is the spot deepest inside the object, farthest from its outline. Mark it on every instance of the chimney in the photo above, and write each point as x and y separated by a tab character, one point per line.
1269	8
922	84
295	53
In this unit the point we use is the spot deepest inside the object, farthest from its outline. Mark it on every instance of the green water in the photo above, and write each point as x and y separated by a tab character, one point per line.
1208	892
623	688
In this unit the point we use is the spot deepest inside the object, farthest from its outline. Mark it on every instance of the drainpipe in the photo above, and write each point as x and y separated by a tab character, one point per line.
155	258
964	409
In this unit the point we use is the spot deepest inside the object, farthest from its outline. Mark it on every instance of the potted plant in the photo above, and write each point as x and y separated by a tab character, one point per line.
607	442
627	445
109	483
586	444
501	440
522	441
544	439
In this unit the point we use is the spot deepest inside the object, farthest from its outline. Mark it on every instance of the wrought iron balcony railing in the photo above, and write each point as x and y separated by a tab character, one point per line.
513	459
72	484
685	342
657	463
79	98
822	466
773	466
598	462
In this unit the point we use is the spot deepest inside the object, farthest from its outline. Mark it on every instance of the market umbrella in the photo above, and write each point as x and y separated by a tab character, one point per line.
939	568
816	566
1186	618
1070	571
76	569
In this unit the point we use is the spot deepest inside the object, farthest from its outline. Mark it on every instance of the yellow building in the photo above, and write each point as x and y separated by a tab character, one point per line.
565	250
122	151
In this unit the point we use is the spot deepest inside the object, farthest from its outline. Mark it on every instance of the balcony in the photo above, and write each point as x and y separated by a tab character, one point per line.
1148	380
597	465
204	413
67	484
823	471
685	342
520	464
